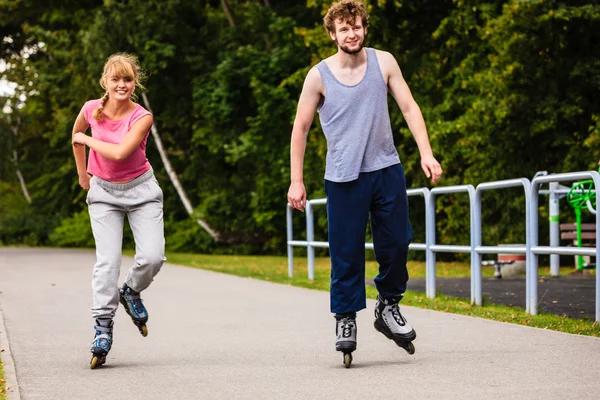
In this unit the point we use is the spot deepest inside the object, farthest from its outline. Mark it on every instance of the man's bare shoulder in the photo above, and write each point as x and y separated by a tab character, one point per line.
313	81
385	57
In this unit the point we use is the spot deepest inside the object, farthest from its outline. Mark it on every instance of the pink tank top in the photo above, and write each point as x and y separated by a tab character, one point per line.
111	131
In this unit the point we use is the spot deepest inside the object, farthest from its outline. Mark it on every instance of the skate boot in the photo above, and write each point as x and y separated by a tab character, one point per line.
345	330
102	342
390	322
134	307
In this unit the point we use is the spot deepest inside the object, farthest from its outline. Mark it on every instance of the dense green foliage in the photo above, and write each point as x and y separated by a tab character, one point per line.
507	88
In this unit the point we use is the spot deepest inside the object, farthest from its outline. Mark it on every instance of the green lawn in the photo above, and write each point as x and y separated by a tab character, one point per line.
2	382
274	269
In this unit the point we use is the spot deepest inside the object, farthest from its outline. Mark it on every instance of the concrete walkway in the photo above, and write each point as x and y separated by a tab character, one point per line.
214	336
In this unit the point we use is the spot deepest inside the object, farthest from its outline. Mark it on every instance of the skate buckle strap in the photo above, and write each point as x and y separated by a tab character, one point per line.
103	329
129	296
102	336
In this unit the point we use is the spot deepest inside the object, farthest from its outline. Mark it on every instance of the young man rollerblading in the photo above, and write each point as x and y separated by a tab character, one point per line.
364	179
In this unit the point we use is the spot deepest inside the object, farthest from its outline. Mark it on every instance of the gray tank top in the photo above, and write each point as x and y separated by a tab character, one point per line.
356	123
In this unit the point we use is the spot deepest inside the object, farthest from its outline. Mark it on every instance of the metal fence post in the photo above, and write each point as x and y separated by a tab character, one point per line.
290	247
475	257
476	297
554	227
310	237
429	241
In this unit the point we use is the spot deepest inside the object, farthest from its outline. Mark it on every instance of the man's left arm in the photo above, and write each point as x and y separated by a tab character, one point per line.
412	114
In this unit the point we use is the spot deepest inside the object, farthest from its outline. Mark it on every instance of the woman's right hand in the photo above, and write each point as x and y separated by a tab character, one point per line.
84	181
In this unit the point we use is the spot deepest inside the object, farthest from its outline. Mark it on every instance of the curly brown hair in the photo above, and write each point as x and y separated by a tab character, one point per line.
346	10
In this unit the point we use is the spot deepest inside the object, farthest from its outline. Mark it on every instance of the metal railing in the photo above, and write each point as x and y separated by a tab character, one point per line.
531	250
479	249
434	248
535	249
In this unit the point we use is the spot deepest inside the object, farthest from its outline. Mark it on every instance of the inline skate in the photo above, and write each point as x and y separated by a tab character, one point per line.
345	330
390	322
134	307
102	342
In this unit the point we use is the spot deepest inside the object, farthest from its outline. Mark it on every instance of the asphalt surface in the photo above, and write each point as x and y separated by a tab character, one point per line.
214	336
573	296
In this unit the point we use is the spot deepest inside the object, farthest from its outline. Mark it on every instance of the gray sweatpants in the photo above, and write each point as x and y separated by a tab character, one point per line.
142	201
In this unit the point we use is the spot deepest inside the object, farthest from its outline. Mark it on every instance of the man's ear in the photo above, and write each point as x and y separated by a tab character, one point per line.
332	36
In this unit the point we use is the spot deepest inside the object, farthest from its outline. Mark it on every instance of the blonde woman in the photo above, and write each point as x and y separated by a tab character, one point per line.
120	182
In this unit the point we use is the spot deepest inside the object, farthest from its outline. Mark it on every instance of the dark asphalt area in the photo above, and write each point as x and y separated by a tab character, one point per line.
570	295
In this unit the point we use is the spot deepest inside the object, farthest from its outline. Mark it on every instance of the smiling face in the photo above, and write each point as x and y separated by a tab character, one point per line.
120	87
120	77
349	37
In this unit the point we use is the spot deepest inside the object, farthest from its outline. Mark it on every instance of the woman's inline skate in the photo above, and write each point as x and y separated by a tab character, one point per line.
102	342
134	307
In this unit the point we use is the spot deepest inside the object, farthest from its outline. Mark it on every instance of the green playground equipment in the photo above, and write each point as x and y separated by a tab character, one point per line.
582	196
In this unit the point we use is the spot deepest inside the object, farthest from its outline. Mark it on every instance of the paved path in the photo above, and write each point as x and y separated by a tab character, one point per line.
214	336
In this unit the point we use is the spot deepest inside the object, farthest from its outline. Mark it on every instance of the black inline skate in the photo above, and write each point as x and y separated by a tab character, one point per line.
345	329
102	342
390	322
134	307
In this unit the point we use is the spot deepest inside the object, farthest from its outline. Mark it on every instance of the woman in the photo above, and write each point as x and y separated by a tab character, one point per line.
119	181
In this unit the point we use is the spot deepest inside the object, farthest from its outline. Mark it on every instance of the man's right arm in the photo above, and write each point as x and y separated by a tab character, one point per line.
307	106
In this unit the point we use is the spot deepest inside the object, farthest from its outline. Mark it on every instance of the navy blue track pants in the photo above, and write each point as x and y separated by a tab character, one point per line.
382	194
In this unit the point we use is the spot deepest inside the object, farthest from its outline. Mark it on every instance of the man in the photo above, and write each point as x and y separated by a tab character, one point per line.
363	173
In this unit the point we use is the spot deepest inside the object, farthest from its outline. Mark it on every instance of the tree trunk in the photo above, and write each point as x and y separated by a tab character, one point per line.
23	186
228	13
15	159
175	180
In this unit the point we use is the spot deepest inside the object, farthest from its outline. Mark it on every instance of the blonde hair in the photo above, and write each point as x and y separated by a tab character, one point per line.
346	10
121	65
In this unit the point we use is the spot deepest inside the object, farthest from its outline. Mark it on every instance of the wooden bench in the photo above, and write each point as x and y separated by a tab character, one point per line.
588	237
569	232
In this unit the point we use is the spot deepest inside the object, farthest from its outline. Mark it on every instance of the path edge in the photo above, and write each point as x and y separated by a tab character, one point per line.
10	373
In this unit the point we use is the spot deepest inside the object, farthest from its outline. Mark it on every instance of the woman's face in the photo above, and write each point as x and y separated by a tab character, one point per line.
120	87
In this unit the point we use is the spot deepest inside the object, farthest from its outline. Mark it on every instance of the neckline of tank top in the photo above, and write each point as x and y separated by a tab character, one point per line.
361	79
125	117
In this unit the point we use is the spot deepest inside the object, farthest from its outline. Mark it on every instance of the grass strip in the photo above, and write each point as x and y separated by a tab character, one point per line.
2	381
275	269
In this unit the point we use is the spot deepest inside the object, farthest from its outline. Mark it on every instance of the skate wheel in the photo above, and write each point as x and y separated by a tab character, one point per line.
347	360
410	348
144	330
94	362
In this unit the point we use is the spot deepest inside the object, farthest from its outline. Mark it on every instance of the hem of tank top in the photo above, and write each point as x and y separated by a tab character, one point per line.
382	166
355	177
123	182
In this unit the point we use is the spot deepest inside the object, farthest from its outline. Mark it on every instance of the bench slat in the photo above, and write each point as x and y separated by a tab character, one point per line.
573	235
573	227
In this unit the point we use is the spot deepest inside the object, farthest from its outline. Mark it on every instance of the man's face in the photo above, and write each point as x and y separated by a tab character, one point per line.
349	38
